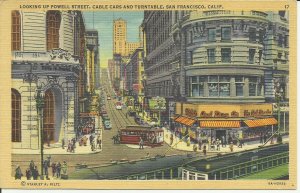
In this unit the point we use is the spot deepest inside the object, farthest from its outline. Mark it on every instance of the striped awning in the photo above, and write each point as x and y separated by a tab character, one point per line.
185	120
220	124
261	122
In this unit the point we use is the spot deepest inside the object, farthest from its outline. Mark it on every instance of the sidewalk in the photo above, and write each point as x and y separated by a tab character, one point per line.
181	145
57	149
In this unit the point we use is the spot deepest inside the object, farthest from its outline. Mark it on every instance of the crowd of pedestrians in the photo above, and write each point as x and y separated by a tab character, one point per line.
32	172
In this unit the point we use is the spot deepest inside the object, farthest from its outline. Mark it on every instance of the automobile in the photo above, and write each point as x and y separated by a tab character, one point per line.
103	112
119	105
108	98
107	124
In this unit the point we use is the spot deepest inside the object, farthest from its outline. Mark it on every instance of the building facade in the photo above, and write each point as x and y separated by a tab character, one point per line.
47	57
216	57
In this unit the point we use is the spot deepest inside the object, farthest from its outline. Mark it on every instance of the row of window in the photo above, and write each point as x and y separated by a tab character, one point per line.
225	86
53	21
226	35
226	55
48	116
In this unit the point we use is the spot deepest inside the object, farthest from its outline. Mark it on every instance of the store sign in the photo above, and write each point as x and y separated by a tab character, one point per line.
257	112
191	112
218	114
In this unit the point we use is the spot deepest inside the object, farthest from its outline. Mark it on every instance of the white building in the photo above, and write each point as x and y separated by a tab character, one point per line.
47	53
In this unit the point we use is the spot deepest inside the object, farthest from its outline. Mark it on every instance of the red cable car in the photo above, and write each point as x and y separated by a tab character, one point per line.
151	136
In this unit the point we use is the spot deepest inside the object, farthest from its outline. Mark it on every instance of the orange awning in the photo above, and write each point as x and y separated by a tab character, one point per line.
220	124
185	120
261	122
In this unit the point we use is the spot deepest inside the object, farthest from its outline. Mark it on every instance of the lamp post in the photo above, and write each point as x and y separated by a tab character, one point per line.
39	98
278	95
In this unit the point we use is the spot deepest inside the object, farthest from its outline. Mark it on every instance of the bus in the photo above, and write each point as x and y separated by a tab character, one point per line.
132	134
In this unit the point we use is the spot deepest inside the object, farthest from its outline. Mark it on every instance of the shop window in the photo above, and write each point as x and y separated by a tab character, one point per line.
211	35
53	25
252	34
211	55
226	55
251	56
15	116
226	33
15	31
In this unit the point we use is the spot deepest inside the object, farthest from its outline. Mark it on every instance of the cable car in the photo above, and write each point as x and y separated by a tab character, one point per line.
132	134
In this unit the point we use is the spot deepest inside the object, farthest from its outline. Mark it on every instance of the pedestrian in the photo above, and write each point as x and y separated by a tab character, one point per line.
195	147
58	168
63	143
99	141
218	144
199	144
231	146
31	166
74	142
223	141
114	139
64	167
241	143
53	166
93	146
91	139
261	138
204	149
28	174
171	139
141	143
48	139
35	173
18	173
45	167
265	138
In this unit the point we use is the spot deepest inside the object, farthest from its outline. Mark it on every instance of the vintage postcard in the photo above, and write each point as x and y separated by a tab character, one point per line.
148	94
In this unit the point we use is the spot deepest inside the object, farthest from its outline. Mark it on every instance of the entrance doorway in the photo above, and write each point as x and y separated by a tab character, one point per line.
48	120
220	133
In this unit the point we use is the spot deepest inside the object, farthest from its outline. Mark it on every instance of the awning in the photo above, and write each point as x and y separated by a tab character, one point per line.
261	122
220	124
185	120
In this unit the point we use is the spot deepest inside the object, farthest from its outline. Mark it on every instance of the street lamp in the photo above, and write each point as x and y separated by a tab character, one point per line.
279	96
39	99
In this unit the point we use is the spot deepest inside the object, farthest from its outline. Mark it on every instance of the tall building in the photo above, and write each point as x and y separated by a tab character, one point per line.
218	66
119	37
47	59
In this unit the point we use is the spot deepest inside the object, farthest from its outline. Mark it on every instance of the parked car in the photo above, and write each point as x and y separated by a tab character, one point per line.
107	124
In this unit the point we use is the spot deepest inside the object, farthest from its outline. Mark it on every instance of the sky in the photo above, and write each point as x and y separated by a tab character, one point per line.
103	22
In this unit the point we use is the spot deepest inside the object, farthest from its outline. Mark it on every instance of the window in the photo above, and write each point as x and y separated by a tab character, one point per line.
53	25
280	40
211	55
286	41
197	88
191	37
219	86
252	34
239	86
254	86
15	116
226	33
251	56
261	36
15	31
191	57
226	55
260	52
211	35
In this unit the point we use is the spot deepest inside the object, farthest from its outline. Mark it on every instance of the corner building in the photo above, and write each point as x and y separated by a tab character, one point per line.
222	59
47	55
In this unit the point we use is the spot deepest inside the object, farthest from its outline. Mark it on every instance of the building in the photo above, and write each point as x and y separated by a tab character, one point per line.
134	77
47	58
92	60
216	58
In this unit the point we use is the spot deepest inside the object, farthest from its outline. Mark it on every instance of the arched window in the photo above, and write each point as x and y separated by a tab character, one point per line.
15	31
15	116
53	25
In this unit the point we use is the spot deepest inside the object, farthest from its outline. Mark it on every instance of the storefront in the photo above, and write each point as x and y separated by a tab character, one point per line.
209	122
